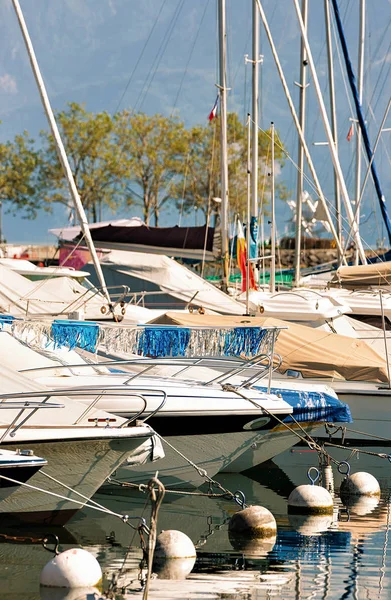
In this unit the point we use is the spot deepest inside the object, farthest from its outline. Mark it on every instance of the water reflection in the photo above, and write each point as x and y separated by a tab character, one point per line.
63	594
333	557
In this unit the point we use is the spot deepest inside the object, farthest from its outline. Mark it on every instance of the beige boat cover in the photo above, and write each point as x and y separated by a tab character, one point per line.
313	352
363	275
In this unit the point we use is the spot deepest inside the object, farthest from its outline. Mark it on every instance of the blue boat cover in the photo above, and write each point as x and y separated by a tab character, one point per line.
313	406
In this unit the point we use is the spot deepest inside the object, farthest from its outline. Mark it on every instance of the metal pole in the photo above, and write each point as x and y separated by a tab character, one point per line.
273	218
338	215
360	84
383	320
223	139
254	109
374	151
326	124
368	172
300	160
271	364
255	112
1	222
297	125
60	148
248	213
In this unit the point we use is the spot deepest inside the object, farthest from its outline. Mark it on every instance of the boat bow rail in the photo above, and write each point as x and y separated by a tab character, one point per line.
97	392
22	406
119	299
260	367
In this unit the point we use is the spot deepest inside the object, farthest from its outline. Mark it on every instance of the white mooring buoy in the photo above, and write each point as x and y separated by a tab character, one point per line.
252	522
173	568
310	499
310	525
74	568
174	544
357	484
84	593
361	484
360	505
174	555
252	547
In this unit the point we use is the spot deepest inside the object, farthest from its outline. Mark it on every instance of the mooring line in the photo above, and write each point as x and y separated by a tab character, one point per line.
237	496
124	518
308	439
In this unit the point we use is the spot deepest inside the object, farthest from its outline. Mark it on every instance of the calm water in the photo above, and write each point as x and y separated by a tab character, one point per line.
344	556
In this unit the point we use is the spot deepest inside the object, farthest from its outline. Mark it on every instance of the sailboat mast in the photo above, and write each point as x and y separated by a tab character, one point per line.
361	120
297	125
254	111
334	127
60	148
248	264
272	283
300	162
360	85
329	136
223	138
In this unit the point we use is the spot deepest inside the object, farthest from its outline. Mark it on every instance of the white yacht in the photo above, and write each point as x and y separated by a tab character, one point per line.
16	467
53	296
209	424
82	448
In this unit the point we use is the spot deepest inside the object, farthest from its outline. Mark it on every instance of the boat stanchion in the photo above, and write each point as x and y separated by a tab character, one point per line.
73	568
357	484
310	498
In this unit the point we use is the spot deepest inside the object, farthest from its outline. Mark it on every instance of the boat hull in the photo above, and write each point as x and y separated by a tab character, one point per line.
370	409
264	448
82	465
230	451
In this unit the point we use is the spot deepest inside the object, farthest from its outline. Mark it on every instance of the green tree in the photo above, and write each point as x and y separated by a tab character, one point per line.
19	176
155	148
97	163
202	177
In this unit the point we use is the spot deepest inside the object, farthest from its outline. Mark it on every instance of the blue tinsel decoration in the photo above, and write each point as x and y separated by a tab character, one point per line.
163	341
244	340
83	334
6	320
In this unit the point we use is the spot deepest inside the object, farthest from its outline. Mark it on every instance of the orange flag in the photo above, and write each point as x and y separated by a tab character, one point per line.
241	256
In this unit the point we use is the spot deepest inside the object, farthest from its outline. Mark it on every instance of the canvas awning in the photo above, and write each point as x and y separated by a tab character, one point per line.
312	352
194	243
363	275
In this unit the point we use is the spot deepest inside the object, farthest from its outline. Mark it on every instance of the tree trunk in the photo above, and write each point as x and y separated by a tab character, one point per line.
146	206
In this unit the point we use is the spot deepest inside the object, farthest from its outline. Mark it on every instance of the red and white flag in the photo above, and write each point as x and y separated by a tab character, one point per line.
350	133
213	112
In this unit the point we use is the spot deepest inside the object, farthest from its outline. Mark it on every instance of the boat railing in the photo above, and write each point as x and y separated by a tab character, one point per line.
306	290
97	392
119	299
138	298
264	364
294	293
22	406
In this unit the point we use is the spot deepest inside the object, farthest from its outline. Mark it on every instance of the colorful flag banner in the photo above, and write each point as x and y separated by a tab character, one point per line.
241	256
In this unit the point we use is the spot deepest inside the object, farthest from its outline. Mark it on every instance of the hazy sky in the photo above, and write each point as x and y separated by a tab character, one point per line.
161	56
